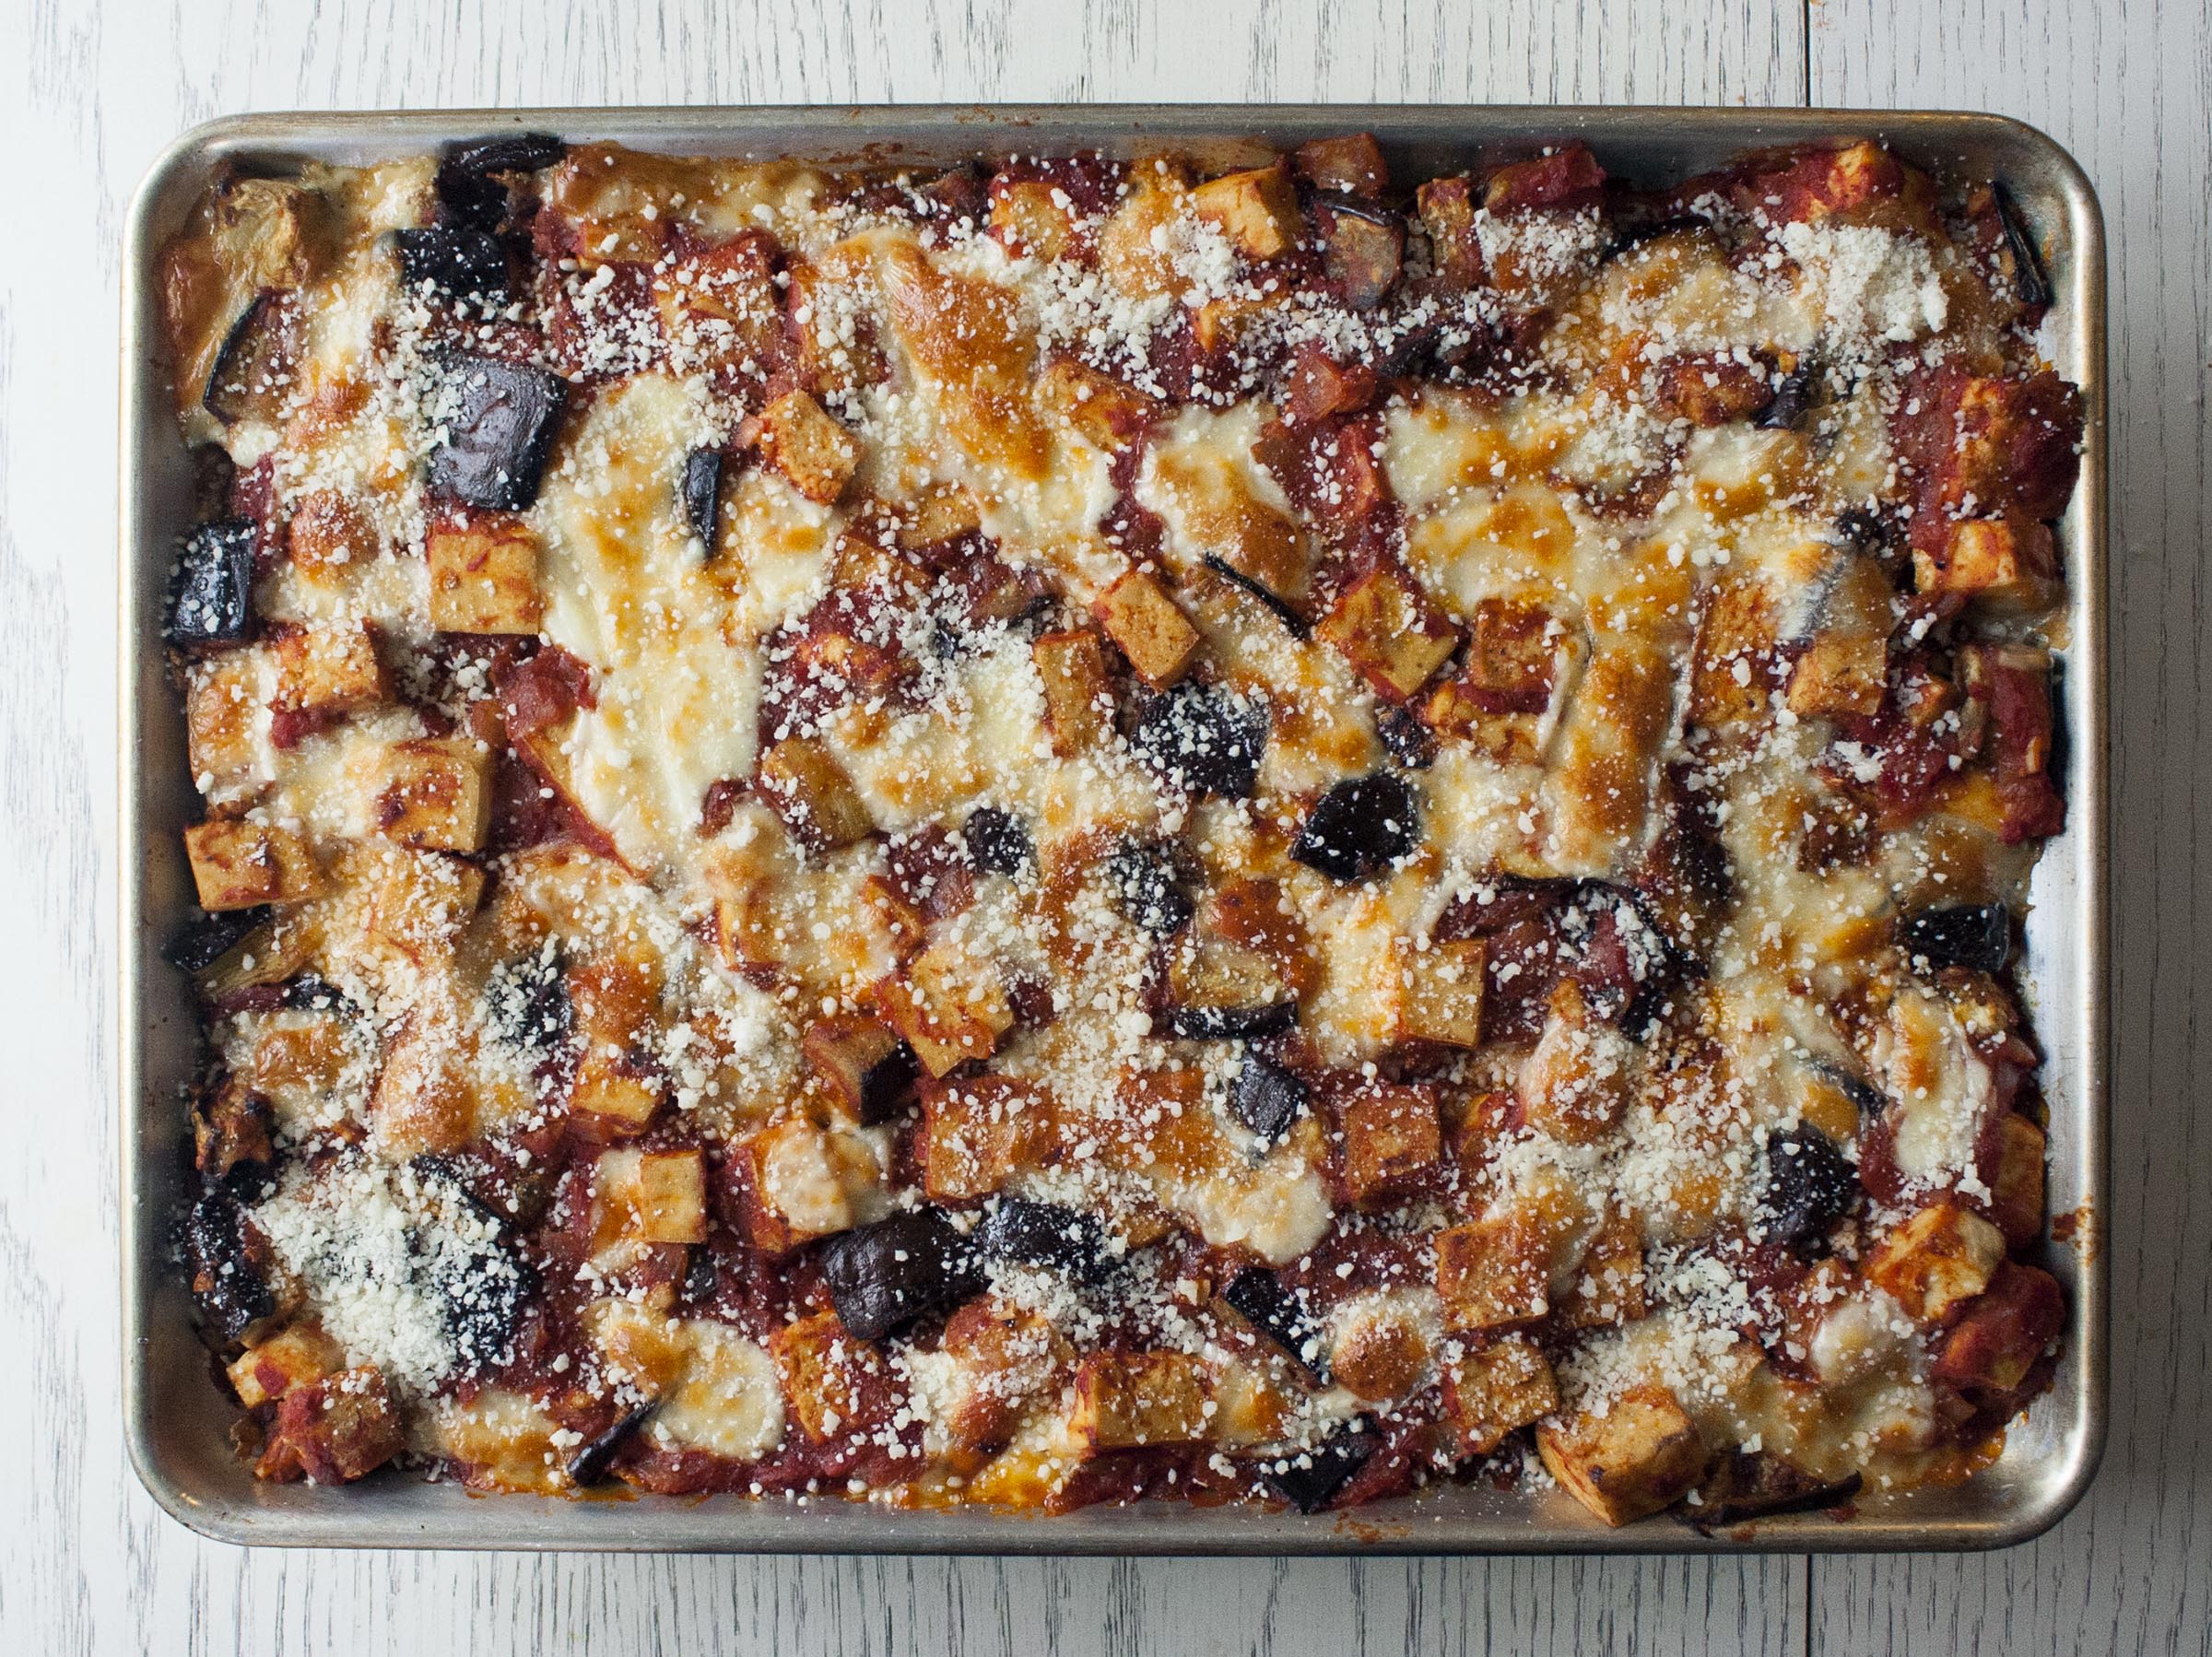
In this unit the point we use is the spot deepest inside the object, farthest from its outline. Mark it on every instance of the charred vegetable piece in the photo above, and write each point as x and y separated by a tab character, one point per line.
210	600
526	1003
1632	235
1204	739
1964	934
1232	1024
1258	1296
589	1465
703	494
255	363
1408	741
1756	1485
464	262
469	194
1047	1235
883	1276
481	1300
997	841
1358	826
1809	1186
1277	607
1364	246
701	1275
1792	400
202	942
1308	1479
1143	879
228	1284
1266	1098
2026	273
866	1062
499	420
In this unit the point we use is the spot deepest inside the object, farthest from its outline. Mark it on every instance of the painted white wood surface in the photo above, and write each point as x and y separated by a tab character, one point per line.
88	94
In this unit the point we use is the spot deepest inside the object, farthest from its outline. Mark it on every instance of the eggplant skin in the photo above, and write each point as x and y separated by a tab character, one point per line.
1044	1234
468	263
505	152
703	494
1962	935
1258	1296
253	362
1232	1024
233	1294
500	424
1266	1098
884	1276
210	601
470	193
1809	1186
998	843
589	1464
199	943
1328	1466
1205	739
1358	826
1143	879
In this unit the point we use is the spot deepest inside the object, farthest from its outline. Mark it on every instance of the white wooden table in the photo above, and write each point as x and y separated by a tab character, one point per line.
88	95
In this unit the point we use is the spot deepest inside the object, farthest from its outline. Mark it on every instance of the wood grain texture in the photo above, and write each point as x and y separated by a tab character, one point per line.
88	1564
2125	90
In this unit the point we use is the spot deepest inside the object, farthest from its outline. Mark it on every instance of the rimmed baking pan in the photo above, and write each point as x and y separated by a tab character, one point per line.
176	1421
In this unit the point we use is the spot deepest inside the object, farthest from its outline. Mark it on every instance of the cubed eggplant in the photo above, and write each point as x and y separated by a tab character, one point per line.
526	1004
211	598
1044	1234
1142	879
228	1284
1407	738
198	945
1362	246
1204	739
867	1062
1232	1024
1309	1480
482	1295
1810	1185
702	495
252	368
1280	608
998	842
1359	826
1795	395
2026	272
1959	935
589	1465
1266	1098
464	262
1260	1297
470	192
499	419
882	1277
702	1276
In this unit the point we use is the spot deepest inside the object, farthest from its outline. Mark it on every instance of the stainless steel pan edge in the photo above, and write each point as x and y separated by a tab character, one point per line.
175	1420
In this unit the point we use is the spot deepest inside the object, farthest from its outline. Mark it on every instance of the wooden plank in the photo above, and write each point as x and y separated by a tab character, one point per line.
2126	89
86	1561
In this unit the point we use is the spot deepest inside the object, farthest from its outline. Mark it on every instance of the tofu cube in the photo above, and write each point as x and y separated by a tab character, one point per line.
806	787
2016	1184
1610	1287
1575	1085
1435	994
1130	1400
484	575
436	794
334	1430
614	1092
1495	1273
650	1196
948	1009
2004	1332
224	727
1004	1359
2005	565
1387	630
835	1384
328	534
1158	638
1257	210
978	1131
1391	1133
1945	1254
1378	1345
297	1357
1104	412
1643	1454
329	670
1078	695
810	451
798	1181
1495	1389
237	865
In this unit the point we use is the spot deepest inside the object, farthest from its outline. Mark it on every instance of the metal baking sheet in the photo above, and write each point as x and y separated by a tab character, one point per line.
176	1420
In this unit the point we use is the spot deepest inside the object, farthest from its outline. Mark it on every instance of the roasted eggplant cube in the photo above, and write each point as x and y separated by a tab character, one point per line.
1142	879
466	264
227	1283
1643	1454
1809	1186
503	152
591	1464
499	420
1205	738
199	943
1044	1234
702	495
1310	1479
813	794
1964	934
1155	636
210	600
1359	826
882	1277
238	863
253	370
1792	400
470	192
867	1064
1266	1098
1259	1297
1362	248
481	1300
812	453
998	843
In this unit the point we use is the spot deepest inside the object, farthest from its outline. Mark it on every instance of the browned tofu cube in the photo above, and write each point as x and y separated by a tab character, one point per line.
1391	1133
1006	1357
297	1357
2005	565
1943	1256
237	865
978	1131
436	794
1497	1388
329	670
1495	1273
650	1196
2016	1184
813	452
1079	697
1435	994
836	1384
1108	414
1389	632
948	1009
612	1091
1158	638
2004	1332
796	1180
1378	1346
334	1430
1446	207
223	726
1257	210
1610	1290
831	357
484	575
864	1060
806	786
1840	673
328	534
1643	1454
1129	1400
